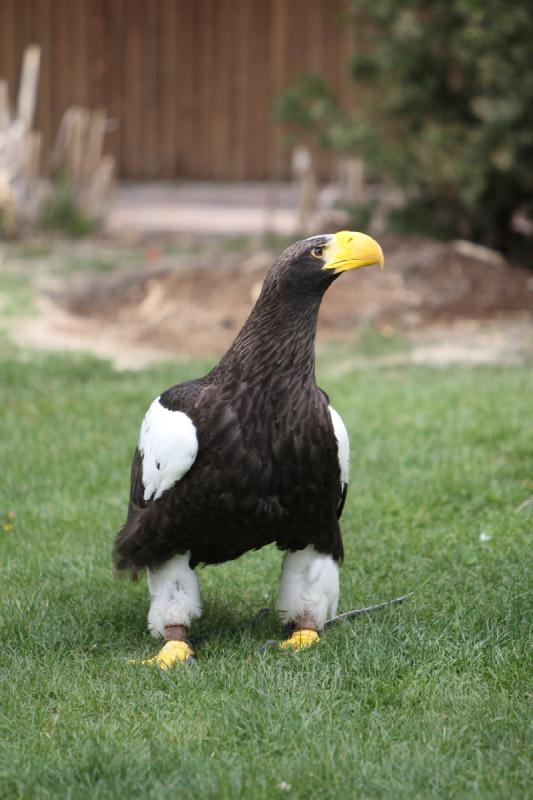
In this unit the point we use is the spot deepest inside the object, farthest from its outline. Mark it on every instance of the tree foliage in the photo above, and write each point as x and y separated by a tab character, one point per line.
449	114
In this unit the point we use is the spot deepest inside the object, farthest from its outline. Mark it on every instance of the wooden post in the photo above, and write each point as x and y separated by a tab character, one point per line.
5	116
29	81
302	168
351	178
78	150
20	148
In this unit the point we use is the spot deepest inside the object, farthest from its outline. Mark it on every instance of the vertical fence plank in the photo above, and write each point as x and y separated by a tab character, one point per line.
169	87
9	65
38	32
114	100
132	116
150	90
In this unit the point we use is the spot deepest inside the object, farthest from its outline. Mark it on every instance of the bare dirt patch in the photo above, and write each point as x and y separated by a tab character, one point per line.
194	307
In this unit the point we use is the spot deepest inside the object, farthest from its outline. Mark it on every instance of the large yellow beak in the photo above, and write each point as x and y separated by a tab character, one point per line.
350	250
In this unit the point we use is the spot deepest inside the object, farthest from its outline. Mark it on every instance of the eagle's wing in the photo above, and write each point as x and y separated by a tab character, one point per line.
167	449
343	454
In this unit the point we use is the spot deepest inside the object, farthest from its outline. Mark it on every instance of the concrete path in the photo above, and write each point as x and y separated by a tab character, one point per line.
202	207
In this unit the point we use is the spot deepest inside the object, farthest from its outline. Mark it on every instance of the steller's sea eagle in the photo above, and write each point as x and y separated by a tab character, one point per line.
250	454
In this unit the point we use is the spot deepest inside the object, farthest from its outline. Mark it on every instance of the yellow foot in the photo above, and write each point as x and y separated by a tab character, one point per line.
299	640
170	654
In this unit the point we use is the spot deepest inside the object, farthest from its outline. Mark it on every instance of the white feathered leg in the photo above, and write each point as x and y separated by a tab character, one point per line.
175	603
174	594
309	593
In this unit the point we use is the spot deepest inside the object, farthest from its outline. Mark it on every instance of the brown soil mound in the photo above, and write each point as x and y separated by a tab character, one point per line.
198	308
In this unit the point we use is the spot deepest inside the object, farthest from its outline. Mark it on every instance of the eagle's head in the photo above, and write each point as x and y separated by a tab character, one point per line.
314	263
279	335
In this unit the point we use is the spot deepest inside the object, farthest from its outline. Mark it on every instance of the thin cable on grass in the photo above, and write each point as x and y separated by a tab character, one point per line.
264	612
358	612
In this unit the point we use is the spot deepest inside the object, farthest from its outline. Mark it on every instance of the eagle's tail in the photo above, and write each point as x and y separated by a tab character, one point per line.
141	542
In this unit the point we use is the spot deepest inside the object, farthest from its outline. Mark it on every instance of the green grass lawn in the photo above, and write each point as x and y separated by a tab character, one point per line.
427	700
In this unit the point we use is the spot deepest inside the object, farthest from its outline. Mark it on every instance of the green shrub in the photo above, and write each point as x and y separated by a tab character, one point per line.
443	93
62	211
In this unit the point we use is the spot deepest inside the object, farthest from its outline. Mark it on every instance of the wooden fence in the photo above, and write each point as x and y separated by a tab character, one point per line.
189	82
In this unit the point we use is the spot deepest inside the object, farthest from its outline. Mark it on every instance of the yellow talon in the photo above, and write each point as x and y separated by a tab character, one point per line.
169	654
299	640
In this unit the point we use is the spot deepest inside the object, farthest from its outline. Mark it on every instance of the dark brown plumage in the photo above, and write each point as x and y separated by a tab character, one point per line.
267	465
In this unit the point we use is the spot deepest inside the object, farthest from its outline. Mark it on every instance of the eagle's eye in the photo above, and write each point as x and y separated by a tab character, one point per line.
318	252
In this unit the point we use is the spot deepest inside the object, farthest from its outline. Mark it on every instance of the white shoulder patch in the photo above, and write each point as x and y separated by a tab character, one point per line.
343	443
168	445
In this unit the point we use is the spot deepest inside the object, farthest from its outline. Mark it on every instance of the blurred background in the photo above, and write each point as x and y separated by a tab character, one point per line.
155	157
